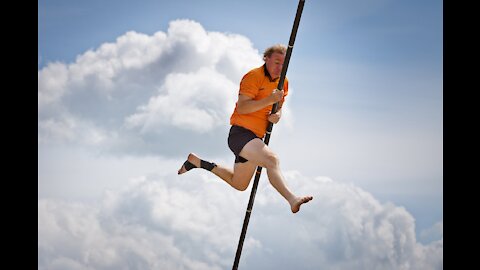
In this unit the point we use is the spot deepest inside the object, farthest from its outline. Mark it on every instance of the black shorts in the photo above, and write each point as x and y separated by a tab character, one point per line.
237	139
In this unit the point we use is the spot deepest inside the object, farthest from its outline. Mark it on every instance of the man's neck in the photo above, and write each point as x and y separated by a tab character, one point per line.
265	70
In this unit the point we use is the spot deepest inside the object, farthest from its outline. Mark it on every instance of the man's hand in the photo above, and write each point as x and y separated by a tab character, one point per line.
274	118
276	95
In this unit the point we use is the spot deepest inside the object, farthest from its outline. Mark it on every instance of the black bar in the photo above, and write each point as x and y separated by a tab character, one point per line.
268	133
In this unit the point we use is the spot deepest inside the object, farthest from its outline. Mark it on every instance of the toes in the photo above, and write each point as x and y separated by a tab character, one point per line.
182	170
296	206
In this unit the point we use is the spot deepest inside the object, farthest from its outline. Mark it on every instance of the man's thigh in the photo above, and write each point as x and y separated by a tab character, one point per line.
256	152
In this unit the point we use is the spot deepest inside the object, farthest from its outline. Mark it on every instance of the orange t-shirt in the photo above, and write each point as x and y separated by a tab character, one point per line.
257	84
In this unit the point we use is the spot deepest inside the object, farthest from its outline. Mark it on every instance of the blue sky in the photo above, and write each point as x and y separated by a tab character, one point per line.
380	32
365	112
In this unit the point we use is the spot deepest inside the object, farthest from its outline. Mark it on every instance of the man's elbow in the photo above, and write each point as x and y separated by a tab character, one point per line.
241	109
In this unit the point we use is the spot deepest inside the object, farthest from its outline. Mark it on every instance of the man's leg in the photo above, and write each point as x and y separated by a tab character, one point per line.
260	154
239	178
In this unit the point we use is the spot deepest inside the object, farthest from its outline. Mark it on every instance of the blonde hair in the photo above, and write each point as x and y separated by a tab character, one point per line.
277	48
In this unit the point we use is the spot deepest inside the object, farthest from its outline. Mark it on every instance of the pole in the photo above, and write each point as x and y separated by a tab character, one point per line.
268	133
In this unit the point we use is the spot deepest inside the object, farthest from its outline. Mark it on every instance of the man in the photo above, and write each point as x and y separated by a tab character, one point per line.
249	122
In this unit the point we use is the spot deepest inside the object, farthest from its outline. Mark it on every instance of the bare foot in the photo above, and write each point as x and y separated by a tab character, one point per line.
297	202
194	159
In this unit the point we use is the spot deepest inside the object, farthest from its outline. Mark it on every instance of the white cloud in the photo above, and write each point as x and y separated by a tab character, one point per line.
151	224
68	128
142	90
193	221
52	82
349	229
196	102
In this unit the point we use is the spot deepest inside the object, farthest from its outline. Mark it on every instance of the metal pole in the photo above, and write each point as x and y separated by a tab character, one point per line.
268	133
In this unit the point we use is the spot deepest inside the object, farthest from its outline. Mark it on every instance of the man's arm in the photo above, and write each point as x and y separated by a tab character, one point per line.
246	104
274	118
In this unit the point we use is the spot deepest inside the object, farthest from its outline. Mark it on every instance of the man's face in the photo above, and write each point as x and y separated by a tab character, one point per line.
275	64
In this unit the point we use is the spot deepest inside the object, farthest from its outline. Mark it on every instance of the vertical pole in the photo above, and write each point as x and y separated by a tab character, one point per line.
268	133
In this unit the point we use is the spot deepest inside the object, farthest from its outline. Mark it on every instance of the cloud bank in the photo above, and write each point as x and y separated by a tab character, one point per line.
194	221
134	95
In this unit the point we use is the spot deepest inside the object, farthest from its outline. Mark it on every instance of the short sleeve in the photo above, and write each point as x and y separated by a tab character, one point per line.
249	85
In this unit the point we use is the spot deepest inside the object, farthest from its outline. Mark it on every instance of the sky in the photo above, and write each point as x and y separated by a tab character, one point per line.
126	90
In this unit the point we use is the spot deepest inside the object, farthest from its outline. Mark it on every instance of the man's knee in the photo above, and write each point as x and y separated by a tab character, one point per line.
241	187
242	177
240	184
271	161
